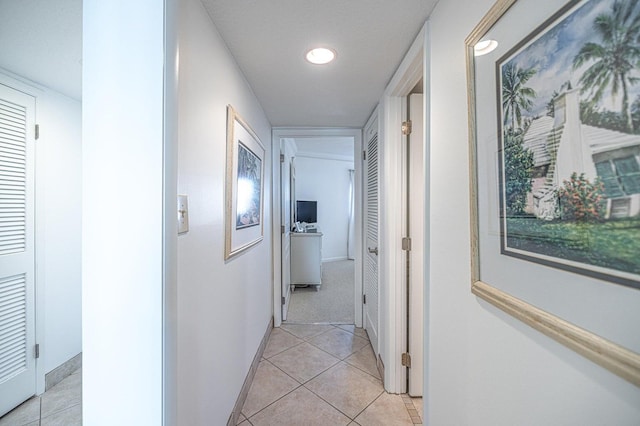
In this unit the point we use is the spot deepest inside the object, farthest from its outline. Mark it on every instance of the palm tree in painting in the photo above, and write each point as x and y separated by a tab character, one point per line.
516	96
615	58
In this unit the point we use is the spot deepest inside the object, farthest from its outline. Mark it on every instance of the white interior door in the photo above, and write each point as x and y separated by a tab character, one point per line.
371	306
286	176
416	232
17	248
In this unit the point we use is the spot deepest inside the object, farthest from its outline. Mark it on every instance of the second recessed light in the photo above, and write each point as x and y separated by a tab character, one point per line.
320	56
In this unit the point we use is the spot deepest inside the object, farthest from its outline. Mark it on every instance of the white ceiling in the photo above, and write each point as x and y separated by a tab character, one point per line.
42	41
269	39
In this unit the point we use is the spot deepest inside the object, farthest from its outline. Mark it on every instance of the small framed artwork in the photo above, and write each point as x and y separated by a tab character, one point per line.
244	192
554	113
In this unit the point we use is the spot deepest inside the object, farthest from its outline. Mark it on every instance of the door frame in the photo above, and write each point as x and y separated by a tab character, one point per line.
393	320
292	132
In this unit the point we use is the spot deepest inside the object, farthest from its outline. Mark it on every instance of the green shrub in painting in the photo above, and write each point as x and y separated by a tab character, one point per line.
518	164
580	200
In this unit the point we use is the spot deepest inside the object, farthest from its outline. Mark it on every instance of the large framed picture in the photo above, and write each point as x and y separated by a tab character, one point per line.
244	186
554	116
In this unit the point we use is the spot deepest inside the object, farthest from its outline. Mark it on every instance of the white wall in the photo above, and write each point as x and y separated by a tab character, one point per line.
58	224
224	308
327	181
60	184
485	367
123	213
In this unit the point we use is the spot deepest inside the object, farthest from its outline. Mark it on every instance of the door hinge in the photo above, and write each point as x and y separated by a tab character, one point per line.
406	360
37	131
36	350
364	299
364	154
406	243
406	127
282	158
282	229
284	300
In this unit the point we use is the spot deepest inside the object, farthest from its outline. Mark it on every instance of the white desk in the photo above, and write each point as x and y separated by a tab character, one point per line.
306	259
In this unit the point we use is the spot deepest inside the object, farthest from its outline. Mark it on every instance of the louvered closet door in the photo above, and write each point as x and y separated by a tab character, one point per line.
371	247
17	266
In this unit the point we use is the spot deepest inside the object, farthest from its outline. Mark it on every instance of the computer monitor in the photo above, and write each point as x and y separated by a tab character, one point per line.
307	211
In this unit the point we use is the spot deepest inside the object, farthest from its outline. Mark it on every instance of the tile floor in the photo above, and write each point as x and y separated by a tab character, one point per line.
309	375
323	375
61	405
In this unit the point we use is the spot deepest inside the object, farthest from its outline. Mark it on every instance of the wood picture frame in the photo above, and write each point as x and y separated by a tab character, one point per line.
508	282
244	189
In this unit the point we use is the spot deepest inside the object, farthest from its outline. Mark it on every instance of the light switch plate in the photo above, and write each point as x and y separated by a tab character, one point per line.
183	214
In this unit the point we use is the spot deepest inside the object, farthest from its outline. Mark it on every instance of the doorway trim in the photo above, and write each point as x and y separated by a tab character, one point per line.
414	66
293	132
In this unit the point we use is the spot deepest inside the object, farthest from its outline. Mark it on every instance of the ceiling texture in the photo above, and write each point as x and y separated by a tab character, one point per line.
41	40
269	38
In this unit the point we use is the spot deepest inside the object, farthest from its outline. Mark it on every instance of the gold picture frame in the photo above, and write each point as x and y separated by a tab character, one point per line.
608	354
244	189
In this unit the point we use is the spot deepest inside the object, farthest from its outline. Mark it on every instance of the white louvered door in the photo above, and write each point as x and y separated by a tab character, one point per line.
371	246
17	254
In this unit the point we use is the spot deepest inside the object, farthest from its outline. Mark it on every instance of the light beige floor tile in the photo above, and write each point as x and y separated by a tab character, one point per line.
365	360
386	410
346	388
338	342
300	407
245	423
65	394
360	332
280	341
417	403
36	423
269	384
26	412
305	331
69	417
304	362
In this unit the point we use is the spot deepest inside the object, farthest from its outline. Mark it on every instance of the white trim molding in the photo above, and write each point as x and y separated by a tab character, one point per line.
279	133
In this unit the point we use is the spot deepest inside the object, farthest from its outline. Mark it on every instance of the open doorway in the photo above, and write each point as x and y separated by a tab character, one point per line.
323	238
317	268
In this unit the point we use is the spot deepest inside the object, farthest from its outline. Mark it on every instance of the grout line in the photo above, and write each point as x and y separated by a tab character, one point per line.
59	411
330	404
368	405
410	406
306	339
269	405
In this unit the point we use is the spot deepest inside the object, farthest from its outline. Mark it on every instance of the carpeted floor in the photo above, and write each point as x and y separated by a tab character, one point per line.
333	303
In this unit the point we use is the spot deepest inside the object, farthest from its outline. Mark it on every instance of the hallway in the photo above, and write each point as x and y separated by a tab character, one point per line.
323	374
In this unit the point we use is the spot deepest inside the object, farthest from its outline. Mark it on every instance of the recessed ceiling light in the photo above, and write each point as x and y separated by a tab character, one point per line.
485	46
320	55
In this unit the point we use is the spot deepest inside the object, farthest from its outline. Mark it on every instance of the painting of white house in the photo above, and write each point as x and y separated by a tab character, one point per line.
569	121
